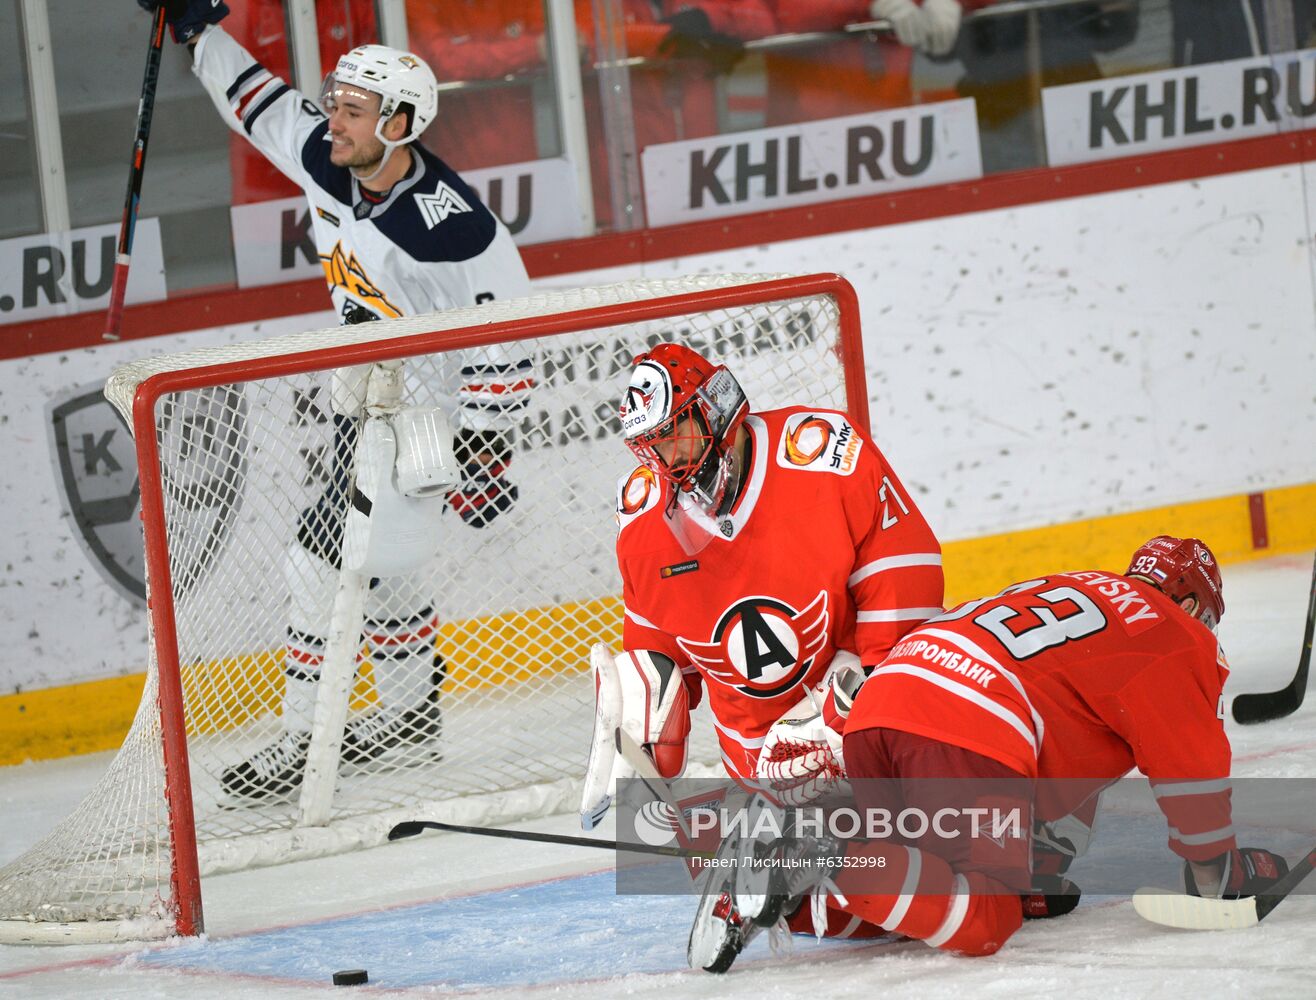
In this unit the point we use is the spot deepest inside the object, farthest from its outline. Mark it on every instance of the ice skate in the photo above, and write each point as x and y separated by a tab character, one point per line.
272	772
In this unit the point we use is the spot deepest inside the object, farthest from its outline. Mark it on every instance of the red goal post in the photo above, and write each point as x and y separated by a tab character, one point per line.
230	447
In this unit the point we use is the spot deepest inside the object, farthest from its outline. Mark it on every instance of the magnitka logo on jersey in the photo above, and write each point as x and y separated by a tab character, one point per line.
436	207
202	442
761	646
819	442
343	270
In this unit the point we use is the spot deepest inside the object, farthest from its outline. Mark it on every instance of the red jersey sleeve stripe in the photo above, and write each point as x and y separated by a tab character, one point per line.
1205	786
894	562
899	615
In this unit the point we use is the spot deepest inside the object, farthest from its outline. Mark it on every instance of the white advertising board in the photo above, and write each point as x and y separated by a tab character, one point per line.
58	274
815	161
1149	112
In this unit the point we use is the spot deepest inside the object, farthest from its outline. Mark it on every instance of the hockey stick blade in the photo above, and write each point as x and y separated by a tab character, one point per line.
1266	706
1192	913
412	827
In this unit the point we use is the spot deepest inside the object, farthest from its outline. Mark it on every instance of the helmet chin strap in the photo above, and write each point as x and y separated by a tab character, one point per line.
383	162
389	145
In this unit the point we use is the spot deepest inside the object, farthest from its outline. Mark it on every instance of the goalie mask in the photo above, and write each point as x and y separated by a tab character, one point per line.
1182	568
398	78
680	418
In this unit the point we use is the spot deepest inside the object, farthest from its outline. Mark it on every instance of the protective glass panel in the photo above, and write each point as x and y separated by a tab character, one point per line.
21	201
99	56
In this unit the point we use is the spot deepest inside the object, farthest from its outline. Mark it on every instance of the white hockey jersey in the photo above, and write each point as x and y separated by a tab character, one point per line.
430	245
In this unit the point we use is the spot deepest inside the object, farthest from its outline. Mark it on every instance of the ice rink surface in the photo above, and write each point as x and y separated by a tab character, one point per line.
454	915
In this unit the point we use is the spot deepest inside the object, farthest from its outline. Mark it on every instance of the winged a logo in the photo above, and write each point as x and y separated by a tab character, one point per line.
762	646
202	446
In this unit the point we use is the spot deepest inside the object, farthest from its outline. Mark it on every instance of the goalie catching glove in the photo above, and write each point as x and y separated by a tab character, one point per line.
643	694
801	759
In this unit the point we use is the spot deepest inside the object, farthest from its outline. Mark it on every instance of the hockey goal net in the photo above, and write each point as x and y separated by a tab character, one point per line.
234	445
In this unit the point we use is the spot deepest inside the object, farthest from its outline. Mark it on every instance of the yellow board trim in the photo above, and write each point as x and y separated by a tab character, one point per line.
95	715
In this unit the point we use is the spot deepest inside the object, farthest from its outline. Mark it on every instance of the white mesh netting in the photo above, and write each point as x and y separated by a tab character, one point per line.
518	602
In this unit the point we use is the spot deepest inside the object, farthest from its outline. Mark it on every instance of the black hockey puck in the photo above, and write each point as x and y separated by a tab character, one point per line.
350	977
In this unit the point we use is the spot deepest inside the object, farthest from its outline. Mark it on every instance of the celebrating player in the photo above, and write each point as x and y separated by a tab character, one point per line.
764	556
1078	676
399	233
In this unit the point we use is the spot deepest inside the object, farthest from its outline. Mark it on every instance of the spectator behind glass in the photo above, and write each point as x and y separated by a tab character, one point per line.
865	72
994	51
673	99
261	28
1213	30
481	40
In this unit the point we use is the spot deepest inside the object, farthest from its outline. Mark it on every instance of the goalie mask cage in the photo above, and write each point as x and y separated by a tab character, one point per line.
233	445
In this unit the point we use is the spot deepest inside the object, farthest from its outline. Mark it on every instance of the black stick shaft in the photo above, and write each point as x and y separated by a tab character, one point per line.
1265	706
1281	890
137	167
410	828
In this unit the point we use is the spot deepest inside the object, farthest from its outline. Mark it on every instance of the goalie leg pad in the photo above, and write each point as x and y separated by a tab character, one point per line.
641	693
655	707
312	583
601	771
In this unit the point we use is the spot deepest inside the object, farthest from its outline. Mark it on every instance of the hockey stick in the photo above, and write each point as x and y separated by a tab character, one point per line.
411	827
1171	909
647	772
145	108
1264	706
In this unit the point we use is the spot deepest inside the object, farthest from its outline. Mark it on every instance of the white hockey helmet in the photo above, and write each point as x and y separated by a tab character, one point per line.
397	77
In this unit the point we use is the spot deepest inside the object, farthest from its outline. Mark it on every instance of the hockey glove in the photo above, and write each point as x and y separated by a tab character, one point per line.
941	25
484	492
801	757
905	19
1244	871
187	18
691	36
1052	894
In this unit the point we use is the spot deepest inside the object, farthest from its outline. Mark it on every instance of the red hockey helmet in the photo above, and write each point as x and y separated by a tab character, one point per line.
1182	567
680	417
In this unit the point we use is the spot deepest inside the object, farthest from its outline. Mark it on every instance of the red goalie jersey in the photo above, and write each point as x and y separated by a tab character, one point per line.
823	550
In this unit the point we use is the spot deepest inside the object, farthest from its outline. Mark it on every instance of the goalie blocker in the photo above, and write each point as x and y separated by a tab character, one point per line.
640	693
404	461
